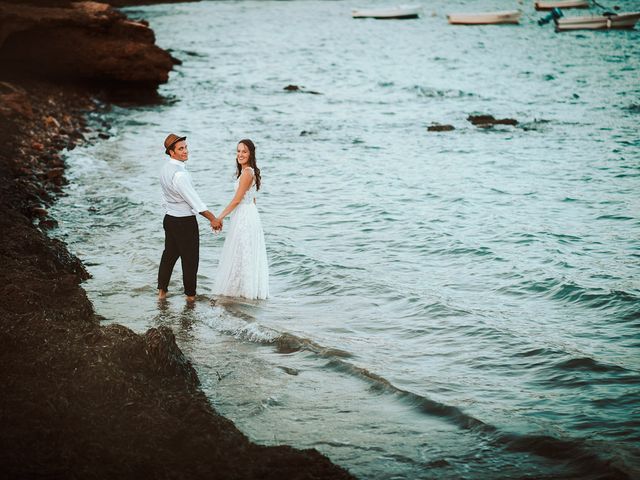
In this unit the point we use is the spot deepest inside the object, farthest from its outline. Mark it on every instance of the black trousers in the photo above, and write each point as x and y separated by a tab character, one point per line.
181	240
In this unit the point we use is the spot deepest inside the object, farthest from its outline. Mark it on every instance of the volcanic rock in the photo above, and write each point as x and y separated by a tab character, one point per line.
436	127
486	121
87	41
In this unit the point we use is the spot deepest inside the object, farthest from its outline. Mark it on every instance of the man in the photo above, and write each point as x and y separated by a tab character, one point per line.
181	235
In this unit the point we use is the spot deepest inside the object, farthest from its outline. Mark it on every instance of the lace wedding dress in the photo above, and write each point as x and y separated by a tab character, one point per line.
243	270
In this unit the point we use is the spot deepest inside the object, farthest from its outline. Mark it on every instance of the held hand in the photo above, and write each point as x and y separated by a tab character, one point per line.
216	225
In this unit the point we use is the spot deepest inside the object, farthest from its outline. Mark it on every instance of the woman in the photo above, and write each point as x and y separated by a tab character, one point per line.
243	270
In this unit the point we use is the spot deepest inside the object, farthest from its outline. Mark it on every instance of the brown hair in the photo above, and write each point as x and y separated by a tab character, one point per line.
252	161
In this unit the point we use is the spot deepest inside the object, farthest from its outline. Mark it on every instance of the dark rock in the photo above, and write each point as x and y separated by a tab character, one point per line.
166	359
507	121
59	141
485	121
289	370
40	212
87	41
48	224
481	119
52	122
55	173
77	135
296	88
436	127
287	343
15	103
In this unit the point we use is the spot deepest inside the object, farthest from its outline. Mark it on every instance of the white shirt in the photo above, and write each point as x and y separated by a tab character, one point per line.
179	198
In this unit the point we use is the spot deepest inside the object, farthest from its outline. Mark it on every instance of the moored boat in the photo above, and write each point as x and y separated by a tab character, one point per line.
401	12
550	5
486	18
602	22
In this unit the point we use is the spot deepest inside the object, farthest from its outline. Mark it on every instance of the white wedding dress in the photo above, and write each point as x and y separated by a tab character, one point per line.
243	270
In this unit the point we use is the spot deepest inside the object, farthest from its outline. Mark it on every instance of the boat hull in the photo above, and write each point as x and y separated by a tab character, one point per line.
489	18
620	21
561	4
399	13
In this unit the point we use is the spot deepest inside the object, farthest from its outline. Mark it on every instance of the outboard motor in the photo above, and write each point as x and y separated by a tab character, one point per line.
554	14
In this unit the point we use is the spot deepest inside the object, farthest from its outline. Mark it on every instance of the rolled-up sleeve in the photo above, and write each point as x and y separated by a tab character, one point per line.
182	183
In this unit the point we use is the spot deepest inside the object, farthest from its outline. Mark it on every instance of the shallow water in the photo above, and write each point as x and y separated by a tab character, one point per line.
462	304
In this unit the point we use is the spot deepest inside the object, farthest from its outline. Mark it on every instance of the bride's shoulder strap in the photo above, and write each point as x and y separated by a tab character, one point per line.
249	170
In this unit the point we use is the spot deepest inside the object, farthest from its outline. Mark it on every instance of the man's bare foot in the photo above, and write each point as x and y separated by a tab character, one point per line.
191	298
162	294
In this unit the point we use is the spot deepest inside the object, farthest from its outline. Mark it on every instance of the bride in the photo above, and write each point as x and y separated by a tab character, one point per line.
243	270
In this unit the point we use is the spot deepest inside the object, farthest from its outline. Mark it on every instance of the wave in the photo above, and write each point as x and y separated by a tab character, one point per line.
586	459
633	108
246	329
581	372
338	444
577	452
288	343
582	455
614	217
587	364
621	301
465	251
589	461
576	365
423	404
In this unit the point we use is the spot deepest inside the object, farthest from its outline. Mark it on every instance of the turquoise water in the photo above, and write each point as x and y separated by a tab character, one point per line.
463	304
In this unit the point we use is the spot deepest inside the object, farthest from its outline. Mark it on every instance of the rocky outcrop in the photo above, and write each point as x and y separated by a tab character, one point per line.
437	127
33	164
488	121
86	41
115	3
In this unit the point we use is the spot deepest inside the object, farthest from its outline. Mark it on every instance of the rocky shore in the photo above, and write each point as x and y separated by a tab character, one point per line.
81	400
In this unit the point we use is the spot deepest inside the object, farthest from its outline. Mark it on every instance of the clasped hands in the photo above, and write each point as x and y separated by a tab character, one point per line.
216	224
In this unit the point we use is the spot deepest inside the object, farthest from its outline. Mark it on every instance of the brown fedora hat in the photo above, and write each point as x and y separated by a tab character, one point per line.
170	141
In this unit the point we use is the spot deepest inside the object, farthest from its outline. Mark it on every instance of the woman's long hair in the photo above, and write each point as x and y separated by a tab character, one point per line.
252	161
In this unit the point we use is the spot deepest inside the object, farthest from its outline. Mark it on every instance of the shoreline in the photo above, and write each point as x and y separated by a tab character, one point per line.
85	400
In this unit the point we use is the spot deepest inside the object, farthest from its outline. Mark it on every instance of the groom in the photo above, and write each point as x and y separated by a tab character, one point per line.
181	204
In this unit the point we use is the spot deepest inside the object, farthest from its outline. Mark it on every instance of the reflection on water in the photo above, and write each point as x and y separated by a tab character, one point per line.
461	304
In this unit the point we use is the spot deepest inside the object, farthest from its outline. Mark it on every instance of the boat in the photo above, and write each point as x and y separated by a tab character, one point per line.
561	4
487	18
399	13
602	22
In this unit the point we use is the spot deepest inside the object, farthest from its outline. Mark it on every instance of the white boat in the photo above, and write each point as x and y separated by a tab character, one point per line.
603	22
487	18
400	12
561	4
